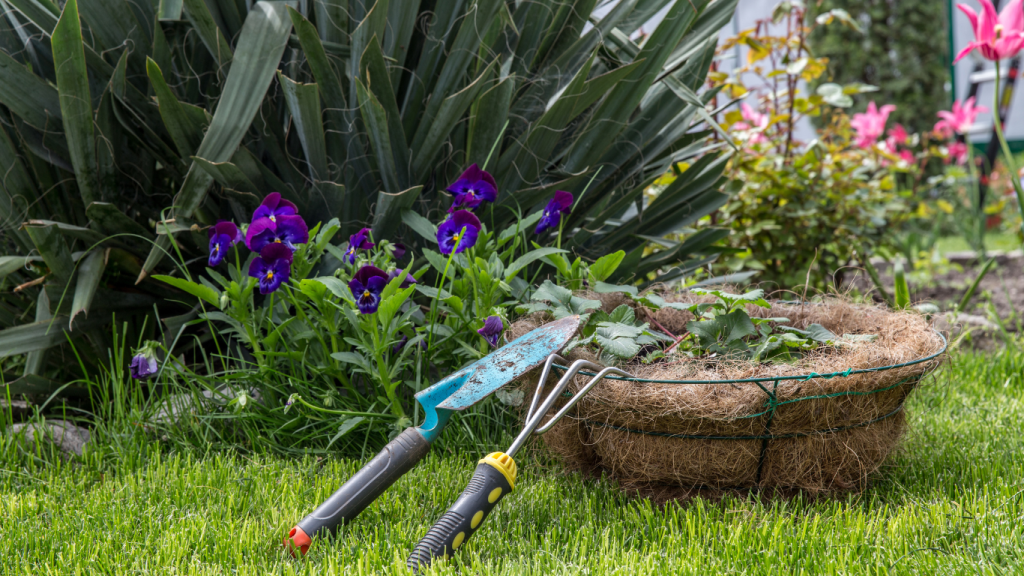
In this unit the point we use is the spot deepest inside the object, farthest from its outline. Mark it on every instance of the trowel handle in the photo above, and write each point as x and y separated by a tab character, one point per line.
397	458
495	477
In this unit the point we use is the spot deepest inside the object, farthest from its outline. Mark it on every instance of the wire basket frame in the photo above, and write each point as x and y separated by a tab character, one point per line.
769	385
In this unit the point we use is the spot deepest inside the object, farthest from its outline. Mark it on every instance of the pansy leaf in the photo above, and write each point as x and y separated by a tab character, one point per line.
337	287
605	266
528	258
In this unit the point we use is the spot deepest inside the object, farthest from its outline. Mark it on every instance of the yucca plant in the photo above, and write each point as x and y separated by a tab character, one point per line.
127	127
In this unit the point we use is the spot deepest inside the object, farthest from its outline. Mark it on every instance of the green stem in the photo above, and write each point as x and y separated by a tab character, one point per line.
338	412
439	287
1007	156
976	199
382	370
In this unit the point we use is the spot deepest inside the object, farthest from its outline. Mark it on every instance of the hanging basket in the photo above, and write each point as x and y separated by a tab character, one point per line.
824	423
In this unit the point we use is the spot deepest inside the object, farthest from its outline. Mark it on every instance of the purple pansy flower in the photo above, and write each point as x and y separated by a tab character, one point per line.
272	268
559	205
273	207
223	235
473	188
366	287
450	236
144	363
397	250
358	241
288	230
409	280
493	327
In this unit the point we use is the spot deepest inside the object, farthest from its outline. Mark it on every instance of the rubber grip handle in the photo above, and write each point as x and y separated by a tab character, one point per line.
487	487
397	458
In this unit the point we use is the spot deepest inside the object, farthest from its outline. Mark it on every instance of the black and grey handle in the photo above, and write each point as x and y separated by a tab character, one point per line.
495	477
397	458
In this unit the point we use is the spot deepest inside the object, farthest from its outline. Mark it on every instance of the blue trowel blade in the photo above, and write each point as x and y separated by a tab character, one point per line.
478	380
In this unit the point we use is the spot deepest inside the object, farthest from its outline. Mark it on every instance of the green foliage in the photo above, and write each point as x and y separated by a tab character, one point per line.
616	337
130	127
724	327
360	366
900	47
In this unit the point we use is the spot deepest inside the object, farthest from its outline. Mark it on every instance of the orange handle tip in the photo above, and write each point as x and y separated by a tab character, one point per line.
297	540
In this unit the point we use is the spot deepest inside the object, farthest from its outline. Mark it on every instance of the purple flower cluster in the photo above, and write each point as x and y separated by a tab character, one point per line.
274	232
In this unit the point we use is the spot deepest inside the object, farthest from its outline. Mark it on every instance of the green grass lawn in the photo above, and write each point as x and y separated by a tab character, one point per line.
1002	242
951	504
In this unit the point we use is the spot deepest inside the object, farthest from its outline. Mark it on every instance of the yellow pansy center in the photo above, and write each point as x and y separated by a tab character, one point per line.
366	294
273	218
270	274
277	240
456	237
216	248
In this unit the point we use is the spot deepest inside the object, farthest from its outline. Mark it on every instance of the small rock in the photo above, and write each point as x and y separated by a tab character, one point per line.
15	407
175	406
70	438
954	324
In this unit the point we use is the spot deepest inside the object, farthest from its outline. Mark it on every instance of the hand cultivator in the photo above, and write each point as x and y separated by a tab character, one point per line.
495	474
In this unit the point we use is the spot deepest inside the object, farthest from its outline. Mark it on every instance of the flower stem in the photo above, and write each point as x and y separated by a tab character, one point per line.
1007	156
440	286
976	199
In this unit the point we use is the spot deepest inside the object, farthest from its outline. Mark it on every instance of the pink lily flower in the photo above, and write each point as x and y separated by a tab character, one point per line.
997	36
960	119
871	124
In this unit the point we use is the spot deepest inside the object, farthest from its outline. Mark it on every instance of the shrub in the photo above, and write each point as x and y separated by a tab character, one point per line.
803	211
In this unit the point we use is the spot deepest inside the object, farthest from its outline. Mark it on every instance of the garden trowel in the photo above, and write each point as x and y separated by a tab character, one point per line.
456	392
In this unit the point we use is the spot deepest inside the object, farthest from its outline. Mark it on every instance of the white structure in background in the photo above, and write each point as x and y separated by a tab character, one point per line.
963	73
748	12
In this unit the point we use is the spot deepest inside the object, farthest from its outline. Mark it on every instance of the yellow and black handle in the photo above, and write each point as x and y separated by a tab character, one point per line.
495	477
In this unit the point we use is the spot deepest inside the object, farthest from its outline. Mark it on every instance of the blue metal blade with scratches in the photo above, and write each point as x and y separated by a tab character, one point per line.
478	380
